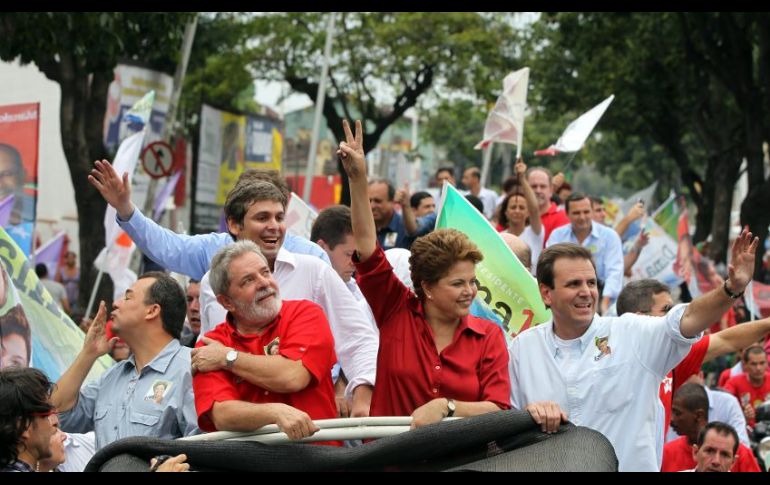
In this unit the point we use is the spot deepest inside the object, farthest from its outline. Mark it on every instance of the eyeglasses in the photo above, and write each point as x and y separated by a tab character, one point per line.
52	415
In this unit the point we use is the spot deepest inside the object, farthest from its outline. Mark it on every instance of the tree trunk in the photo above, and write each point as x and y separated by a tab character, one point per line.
81	118
723	201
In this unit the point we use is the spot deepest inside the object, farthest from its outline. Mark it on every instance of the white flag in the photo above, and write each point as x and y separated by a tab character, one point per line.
505	123
577	132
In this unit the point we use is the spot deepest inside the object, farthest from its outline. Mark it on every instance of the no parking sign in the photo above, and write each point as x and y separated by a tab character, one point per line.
157	159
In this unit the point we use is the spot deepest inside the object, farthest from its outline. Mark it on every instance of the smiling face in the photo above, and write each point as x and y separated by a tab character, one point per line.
574	295
253	293
580	215
453	294
13	351
427	206
264	224
516	211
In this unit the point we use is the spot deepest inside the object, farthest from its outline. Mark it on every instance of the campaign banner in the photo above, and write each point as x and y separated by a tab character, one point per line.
229	144
19	132
657	258
505	286
30	316
299	217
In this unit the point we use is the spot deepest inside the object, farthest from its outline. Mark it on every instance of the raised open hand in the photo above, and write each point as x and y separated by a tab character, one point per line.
741	267
115	189
351	151
96	342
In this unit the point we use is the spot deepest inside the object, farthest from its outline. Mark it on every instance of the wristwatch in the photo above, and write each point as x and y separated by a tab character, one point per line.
729	293
230	358
450	405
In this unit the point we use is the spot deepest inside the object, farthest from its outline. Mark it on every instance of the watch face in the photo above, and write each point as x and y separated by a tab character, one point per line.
231	356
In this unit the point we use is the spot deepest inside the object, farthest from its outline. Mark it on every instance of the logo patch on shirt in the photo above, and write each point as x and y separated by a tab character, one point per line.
602	343
158	390
272	347
390	239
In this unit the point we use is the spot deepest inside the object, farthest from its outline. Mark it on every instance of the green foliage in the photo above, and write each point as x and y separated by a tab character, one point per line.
96	41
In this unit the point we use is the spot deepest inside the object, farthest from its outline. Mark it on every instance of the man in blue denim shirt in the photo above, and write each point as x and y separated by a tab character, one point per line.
125	400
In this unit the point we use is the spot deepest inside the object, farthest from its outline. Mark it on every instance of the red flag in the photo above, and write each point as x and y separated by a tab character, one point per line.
547	152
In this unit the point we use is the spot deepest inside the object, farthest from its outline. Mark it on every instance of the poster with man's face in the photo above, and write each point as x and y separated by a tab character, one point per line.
19	131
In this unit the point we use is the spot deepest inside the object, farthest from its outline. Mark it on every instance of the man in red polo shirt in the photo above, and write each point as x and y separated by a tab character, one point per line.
753	387
539	179
270	361
690	414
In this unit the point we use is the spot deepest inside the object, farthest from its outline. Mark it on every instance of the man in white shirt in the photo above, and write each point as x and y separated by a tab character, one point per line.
604	372
256	211
472	181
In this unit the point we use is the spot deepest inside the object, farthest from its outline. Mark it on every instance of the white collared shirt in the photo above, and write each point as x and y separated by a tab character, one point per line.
614	393
303	277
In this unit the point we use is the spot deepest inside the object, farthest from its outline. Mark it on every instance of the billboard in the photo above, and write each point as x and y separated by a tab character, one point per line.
229	144
19	132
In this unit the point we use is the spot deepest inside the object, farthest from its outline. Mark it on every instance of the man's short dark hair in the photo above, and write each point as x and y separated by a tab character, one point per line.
417	197
41	270
474	172
637	296
596	200
24	392
694	398
391	187
247	193
449	170
753	349
574	197
551	254
475	202
171	298
332	225
719	428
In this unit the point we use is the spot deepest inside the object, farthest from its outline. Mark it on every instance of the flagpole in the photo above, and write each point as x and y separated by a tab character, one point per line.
319	106
95	288
487	159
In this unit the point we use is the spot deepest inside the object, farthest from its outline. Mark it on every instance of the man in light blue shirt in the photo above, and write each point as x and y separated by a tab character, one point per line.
148	394
189	255
602	372
603	242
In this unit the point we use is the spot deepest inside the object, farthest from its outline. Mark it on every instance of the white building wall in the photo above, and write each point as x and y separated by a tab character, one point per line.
56	209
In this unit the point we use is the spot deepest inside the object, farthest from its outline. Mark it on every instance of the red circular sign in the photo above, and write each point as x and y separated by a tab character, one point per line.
158	159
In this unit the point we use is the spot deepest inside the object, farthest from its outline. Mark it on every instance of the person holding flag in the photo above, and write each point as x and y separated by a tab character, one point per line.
435	360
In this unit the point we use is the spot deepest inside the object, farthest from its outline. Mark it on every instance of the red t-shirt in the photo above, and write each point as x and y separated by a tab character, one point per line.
303	334
551	219
677	456
740	387
410	372
689	366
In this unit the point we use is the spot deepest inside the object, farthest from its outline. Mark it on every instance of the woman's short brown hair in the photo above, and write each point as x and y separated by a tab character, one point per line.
434	254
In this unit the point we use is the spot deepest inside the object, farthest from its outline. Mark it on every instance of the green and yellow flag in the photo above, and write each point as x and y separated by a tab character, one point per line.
27	308
506	288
